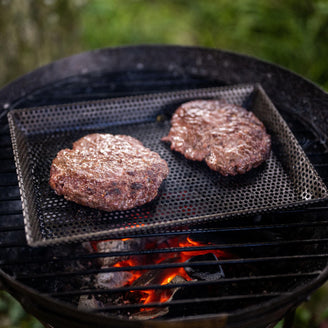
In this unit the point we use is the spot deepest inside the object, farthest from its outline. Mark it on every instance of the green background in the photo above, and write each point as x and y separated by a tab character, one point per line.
291	33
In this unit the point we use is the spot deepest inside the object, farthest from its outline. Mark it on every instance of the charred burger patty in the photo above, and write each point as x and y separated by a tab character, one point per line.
108	172
231	139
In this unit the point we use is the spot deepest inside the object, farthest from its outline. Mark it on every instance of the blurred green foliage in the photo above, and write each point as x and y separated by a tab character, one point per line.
314	314
12	315
291	33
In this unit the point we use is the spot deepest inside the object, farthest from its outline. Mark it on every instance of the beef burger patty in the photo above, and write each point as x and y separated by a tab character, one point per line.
108	172
228	137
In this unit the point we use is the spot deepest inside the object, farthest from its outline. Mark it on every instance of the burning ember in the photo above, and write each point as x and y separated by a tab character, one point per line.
163	255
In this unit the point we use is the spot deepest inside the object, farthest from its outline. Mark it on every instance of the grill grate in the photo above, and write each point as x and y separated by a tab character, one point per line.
268	243
284	254
257	274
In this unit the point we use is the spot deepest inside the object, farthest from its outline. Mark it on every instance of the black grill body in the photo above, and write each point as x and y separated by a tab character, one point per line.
280	258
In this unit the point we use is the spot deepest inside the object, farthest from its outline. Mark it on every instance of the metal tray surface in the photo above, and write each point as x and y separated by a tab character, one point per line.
191	194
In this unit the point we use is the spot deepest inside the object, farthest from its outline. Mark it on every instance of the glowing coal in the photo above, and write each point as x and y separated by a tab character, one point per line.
175	250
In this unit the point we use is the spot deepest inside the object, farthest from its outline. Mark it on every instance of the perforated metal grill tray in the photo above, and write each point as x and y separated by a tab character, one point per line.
192	193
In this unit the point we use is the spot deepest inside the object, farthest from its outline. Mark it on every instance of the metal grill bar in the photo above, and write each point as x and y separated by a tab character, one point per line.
13	228
263	227
166	250
190	301
12	244
161	266
10	207
191	284
194	231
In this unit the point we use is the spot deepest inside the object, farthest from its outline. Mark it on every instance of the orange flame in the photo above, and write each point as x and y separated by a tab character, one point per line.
165	276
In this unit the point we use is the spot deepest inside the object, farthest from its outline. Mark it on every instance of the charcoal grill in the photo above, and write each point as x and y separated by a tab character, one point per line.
279	258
